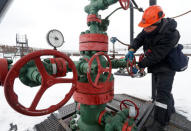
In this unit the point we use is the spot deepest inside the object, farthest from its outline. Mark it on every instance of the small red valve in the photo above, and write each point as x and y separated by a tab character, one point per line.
136	107
124	4
100	116
130	65
126	127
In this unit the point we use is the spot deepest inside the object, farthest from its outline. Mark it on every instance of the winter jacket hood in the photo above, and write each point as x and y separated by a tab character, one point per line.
168	26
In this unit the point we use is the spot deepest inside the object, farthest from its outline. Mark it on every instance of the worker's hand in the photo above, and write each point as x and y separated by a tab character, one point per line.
135	69
130	55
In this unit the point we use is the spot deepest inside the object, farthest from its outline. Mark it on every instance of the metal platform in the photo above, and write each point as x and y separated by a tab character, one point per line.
60	121
122	72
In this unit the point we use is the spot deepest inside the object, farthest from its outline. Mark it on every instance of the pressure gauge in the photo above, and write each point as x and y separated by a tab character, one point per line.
55	38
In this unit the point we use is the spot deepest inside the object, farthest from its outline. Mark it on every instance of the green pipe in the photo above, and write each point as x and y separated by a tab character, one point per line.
118	63
96	5
115	123
89	115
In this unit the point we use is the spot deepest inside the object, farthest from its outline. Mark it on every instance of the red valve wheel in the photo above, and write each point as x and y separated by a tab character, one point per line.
136	107
100	69
140	59
3	70
130	65
124	4
46	82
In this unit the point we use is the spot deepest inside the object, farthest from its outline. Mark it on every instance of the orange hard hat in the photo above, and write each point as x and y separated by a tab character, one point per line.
151	15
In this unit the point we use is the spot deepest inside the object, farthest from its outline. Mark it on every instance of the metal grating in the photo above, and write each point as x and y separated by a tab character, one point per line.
60	121
66	111
50	124
177	122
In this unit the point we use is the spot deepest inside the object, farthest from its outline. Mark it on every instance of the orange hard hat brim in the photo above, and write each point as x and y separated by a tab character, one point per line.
141	24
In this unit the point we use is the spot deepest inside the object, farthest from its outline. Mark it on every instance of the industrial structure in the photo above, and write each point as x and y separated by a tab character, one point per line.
96	107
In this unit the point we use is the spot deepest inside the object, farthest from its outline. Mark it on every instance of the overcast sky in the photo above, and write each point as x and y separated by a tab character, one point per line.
36	17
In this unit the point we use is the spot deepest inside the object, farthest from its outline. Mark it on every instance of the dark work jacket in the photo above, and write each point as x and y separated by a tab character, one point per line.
160	42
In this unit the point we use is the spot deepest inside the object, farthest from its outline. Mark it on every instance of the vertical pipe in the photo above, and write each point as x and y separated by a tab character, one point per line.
153	2
113	50
4	6
131	23
22	51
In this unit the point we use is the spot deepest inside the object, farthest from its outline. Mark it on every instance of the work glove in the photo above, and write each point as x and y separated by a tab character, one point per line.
134	70
129	56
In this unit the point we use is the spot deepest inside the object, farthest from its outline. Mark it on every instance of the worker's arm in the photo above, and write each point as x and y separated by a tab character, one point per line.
161	50
138	42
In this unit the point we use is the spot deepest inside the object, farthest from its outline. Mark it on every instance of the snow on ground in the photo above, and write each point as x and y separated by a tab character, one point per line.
139	87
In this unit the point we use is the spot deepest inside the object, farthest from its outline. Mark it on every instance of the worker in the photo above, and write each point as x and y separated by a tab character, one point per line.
158	37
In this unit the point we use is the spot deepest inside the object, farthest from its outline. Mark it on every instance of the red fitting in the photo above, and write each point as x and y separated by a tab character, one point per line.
129	128
3	70
61	68
136	107
102	38
78	106
93	42
93	18
86	59
101	115
87	94
124	4
126	127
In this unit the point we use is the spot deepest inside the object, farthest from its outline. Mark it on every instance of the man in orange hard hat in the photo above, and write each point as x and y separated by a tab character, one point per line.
158	37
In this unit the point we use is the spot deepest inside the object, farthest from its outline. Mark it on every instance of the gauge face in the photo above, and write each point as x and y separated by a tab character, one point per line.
55	38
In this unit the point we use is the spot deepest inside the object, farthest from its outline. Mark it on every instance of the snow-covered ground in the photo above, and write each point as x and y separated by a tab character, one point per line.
139	87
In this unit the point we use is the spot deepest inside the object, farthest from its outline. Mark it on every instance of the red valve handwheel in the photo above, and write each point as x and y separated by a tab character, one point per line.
100	69
3	70
124	4
140	59
47	81
130	65
136	108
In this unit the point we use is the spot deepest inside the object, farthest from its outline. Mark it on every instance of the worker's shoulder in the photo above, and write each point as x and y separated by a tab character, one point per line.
168	26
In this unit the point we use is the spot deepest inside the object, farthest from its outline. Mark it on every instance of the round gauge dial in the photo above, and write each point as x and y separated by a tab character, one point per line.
55	38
